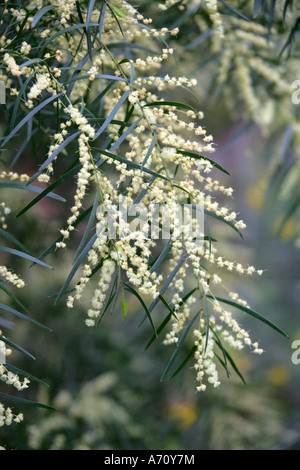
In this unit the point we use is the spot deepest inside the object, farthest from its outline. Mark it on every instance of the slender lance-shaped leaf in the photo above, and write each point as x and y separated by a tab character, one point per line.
257	4
101	22
123	136
169	280
163	300
168	317
16	347
18	100
112	114
144	191
180	343
22	401
132	291
100	96
88	30
40	14
66	30
14	298
76	266
250	312
235	368
114	78
52	247
292	35
124	305
162	256
231	361
130	163
271	14
6	324
201	157
12	239
24	317
21	149
207	318
23	373
47	192
234	10
286	4
89	225
219	343
54	155
175	104
31	188
29	116
185	361
215	216
24	255
165	286
131	46
76	74
31	61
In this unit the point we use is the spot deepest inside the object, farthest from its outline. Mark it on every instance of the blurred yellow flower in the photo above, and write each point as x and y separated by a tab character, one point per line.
184	413
278	375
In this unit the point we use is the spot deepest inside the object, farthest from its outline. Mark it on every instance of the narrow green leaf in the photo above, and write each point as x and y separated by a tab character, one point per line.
53	156
168	318
162	256
24	317
166	284
31	188
76	267
180	343
215	216
184	362
24	255
18	100
12	239
124	305
130	163
22	401
40	14
112	114
137	295
101	95
14	298
257	4
88	30
16	347
23	373
207	318
291	37
235	368
118	12
124	136
234	10
29	116
201	157
175	104
89	225
163	300
101	22
250	312
286	5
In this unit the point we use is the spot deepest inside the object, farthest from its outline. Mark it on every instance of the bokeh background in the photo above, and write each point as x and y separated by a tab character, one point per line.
107	390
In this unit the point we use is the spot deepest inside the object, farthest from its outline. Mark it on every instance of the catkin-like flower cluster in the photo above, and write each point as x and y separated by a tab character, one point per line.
7	416
134	145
